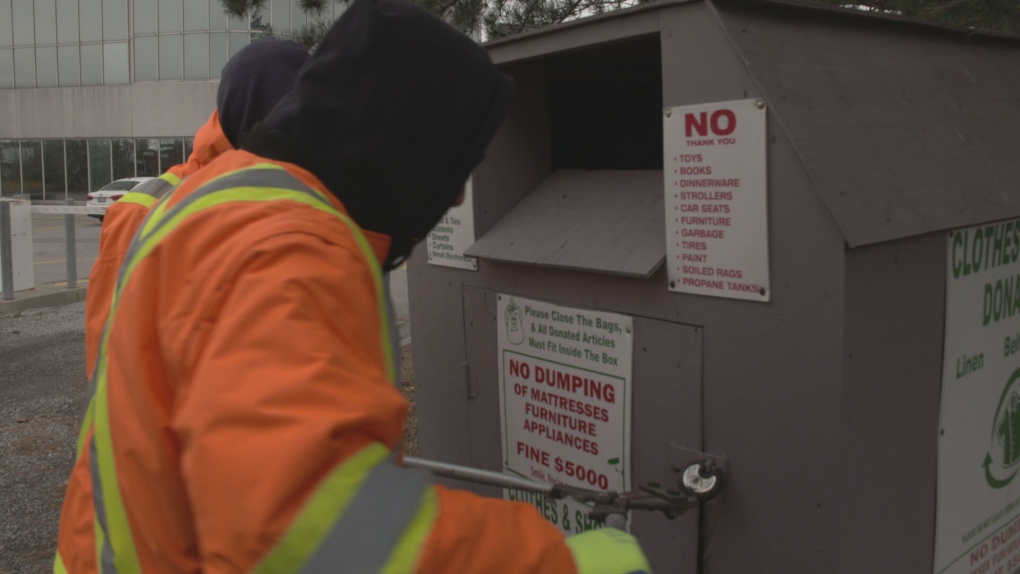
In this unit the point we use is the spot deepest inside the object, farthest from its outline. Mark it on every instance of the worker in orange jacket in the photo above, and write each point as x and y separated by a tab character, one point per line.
242	416
251	83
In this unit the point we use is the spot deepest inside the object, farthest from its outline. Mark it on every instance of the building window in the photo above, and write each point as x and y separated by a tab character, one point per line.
31	169
146	21
24	22
196	56
171	57
6	68
146	61
91	19
45	22
147	157
46	66
10	168
171	153
24	67
67	21
76	165
6	24
92	65
218	53
68	62
115	64
115	24
99	164
123	158
196	14
68	43
56	169
171	15
54	181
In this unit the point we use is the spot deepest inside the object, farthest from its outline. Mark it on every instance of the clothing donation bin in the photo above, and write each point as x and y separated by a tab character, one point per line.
779	234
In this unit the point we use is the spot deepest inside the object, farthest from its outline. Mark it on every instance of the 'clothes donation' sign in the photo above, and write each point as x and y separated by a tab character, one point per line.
977	526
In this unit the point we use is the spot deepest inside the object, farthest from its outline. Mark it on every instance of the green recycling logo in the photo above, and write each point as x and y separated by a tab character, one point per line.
514	320
1002	461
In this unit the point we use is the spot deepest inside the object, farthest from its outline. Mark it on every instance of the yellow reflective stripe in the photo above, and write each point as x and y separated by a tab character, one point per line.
86	424
406	555
58	565
315	519
233	195
121	539
139	198
380	294
170	178
155	215
164	205
606	550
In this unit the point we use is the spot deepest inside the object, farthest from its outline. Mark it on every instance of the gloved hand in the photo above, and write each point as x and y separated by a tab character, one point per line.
607	551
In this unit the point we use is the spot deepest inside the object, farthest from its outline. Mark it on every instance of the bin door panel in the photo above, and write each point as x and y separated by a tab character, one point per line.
485	435
666	414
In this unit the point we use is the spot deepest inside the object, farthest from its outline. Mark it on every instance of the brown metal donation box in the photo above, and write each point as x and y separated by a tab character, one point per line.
778	234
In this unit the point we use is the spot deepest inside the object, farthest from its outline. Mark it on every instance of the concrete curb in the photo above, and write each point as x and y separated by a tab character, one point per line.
45	296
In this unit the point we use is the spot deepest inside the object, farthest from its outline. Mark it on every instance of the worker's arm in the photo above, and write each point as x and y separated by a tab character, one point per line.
287	391
286	384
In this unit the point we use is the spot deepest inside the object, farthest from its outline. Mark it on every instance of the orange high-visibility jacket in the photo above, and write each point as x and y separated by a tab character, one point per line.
242	416
122	220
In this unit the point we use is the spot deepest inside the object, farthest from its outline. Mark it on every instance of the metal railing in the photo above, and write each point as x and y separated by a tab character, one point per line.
6	252
68	210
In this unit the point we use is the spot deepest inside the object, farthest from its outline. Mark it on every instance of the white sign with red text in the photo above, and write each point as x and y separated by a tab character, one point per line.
565	397
717	240
453	235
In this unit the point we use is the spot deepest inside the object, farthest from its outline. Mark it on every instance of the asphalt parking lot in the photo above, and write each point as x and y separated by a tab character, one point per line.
49	252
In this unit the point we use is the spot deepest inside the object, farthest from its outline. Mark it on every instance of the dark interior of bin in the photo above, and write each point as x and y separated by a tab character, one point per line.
605	106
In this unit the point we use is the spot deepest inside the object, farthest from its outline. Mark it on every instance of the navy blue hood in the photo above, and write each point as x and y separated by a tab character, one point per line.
253	81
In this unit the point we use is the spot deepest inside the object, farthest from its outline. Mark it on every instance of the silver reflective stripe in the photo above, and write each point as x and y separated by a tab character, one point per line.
107	556
247	177
374	522
154	187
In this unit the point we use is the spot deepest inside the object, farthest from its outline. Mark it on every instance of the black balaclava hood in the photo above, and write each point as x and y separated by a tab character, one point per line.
392	113
253	81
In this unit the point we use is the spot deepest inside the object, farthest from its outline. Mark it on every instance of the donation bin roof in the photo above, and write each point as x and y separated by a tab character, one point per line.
905	127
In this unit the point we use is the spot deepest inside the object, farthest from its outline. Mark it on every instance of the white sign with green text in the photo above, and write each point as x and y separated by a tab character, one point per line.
565	397
978	503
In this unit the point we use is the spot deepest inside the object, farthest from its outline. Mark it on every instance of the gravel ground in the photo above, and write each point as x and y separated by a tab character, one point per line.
407	386
42	394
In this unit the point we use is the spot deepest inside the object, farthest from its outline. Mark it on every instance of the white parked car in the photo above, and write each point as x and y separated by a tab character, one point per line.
111	192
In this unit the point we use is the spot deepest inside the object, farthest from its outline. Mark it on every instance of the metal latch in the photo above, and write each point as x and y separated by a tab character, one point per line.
699	482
